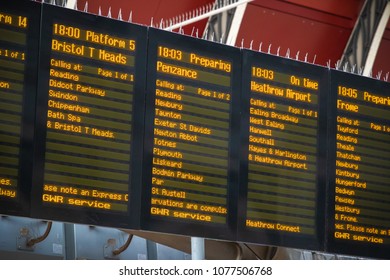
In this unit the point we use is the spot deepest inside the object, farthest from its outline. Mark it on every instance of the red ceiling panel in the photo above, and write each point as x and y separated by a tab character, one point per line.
300	25
345	8
321	12
318	28
144	11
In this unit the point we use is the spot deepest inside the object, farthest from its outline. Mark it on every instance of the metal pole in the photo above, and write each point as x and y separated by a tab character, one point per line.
376	41
71	4
151	249
236	24
197	248
70	241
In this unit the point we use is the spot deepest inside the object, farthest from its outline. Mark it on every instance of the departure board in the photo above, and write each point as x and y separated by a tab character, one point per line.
282	176
359	204
90	104
191	130
19	38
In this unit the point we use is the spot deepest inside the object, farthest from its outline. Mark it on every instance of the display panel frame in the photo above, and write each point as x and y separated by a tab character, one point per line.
282	67
204	48
32	10
120	219
342	246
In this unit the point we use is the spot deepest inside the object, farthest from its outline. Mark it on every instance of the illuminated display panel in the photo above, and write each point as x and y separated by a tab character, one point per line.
190	136
359	203
19	37
90	100
283	152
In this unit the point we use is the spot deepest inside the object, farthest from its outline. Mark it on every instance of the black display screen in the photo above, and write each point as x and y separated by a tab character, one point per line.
108	123
19	38
359	178
192	112
90	104
283	154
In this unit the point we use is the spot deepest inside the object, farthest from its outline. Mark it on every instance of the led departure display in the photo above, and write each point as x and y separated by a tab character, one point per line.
359	202
19	38
191	88
91	94
120	125
282	135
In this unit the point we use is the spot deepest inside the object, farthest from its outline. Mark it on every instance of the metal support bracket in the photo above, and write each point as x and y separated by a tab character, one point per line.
223	27
360	50
206	11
